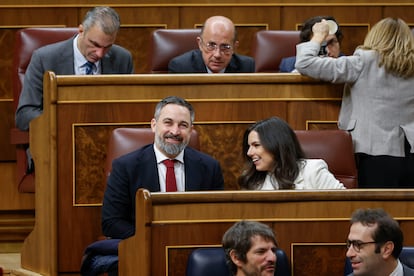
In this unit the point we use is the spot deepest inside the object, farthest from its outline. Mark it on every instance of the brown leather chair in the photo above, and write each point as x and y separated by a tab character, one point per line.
269	47
336	148
28	40
125	140
169	43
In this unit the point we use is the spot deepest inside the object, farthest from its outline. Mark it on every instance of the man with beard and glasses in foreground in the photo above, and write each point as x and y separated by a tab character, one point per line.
144	168
250	249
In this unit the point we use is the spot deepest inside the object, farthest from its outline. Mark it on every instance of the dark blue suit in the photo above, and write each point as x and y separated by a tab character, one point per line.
137	170
192	62
287	64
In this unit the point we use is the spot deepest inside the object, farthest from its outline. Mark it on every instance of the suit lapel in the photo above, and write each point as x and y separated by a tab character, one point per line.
107	64
199	66
232	67
193	170
66	60
147	164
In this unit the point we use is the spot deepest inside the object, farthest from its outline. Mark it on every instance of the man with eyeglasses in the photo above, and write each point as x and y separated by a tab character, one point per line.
374	244
216	54
92	51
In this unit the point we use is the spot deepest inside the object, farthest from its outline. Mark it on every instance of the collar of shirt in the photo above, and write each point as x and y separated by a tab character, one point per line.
209	71
178	169
161	157
80	60
398	271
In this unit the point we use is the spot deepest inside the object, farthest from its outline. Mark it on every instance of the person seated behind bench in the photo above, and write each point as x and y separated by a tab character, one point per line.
216	54
332	48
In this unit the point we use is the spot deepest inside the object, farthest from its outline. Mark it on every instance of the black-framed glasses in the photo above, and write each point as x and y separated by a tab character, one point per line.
357	245
212	46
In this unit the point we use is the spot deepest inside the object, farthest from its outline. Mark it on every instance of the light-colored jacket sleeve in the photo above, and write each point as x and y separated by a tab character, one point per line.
345	69
316	175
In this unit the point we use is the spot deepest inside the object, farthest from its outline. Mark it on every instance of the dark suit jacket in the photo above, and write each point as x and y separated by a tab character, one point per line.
139	170
407	271
287	64
192	62
59	58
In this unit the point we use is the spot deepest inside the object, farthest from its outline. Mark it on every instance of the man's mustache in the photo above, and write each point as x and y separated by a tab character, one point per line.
175	137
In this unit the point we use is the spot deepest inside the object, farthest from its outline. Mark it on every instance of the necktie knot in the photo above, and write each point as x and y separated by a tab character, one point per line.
89	66
169	163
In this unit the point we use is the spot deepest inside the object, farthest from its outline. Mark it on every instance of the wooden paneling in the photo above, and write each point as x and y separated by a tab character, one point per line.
16	211
311	226
138	21
8	151
80	112
10	199
22	17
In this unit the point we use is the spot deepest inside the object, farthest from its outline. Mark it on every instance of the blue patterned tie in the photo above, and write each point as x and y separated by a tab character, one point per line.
89	66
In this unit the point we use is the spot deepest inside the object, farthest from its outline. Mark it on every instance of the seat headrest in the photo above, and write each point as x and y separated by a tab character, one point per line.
270	46
169	43
125	140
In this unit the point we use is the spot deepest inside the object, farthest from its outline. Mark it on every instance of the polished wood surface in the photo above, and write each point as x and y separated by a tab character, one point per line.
138	21
69	140
307	223
355	17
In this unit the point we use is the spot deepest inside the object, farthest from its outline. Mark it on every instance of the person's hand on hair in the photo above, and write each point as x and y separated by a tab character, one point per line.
320	31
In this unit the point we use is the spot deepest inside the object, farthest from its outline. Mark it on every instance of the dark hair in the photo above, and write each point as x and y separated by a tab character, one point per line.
280	140
386	228
174	100
238	238
306	31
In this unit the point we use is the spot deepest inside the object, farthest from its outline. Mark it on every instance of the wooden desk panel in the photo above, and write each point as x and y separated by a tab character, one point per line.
307	223
69	140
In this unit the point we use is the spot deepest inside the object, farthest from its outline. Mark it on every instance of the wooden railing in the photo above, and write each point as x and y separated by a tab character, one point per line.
311	226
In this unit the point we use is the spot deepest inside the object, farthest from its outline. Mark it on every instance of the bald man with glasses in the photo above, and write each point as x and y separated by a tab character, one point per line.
217	44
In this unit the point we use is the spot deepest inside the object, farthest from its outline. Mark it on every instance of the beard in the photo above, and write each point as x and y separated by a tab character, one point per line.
170	149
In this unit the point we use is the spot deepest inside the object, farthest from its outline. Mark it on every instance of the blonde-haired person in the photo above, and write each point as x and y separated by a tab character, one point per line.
378	102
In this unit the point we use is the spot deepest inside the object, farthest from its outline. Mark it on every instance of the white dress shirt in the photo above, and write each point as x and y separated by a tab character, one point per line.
80	60
178	169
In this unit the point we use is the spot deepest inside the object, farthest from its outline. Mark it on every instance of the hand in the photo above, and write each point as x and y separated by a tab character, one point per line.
320	31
